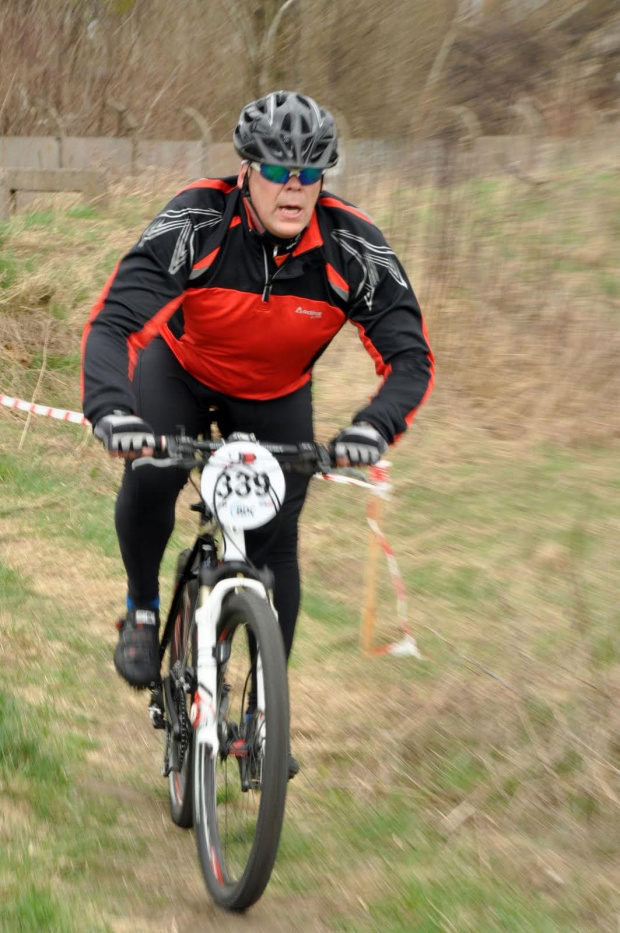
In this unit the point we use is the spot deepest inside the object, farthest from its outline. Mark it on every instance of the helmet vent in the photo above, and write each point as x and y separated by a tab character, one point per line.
287	129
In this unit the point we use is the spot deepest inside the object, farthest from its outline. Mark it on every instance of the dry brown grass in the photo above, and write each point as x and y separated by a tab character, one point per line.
521	293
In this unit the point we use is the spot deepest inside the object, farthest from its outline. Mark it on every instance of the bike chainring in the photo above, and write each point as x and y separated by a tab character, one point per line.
178	675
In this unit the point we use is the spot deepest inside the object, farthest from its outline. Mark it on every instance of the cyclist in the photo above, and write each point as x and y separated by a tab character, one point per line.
227	301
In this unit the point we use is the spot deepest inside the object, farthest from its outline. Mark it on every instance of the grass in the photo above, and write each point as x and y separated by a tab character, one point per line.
492	555
460	904
12	586
475	790
42	816
8	269
441	733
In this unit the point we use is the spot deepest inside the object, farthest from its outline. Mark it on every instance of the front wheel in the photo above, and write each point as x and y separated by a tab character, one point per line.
239	796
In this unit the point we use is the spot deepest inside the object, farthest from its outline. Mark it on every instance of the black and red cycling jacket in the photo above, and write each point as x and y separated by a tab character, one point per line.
247	323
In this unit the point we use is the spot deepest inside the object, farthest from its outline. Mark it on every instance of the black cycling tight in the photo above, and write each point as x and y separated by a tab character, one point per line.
168	397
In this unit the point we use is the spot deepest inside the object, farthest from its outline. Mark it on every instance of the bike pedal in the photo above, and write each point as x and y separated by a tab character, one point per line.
156	709
158	719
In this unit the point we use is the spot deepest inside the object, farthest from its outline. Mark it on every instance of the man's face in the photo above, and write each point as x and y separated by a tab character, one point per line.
285	210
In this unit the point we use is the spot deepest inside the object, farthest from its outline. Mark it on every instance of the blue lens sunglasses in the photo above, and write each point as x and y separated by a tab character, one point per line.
280	174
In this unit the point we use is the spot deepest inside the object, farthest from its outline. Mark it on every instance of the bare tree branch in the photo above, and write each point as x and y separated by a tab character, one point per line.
241	20
158	96
267	44
436	69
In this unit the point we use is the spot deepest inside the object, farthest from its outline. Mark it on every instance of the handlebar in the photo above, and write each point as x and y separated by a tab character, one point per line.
188	452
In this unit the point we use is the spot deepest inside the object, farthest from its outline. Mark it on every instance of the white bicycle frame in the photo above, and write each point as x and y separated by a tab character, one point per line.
243	485
204	713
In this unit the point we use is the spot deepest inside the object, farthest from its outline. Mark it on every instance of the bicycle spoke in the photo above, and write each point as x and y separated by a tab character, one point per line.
237	790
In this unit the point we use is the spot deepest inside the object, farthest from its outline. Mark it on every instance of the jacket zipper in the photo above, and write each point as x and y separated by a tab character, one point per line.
267	288
269	279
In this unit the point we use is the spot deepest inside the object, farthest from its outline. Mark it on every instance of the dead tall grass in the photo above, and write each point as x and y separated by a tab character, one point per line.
54	261
521	292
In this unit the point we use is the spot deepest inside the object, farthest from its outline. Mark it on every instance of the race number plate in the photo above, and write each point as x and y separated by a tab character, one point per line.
243	484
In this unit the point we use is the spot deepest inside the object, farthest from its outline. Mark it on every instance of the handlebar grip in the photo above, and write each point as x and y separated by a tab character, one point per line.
152	461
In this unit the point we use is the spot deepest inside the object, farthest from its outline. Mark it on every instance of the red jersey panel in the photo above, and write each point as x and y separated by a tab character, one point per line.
240	345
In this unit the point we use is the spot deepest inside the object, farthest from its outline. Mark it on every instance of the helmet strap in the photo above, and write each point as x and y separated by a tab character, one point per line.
244	186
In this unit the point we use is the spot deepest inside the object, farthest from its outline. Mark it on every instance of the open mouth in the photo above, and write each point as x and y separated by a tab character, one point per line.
289	210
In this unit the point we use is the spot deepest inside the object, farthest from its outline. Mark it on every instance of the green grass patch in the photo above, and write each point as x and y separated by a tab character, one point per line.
42	218
27	752
13	588
610	284
463	900
83	212
35	909
326	609
70	507
8	269
53	824
68	364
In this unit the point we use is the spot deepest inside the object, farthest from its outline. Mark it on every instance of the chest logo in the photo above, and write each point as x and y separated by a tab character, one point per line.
309	312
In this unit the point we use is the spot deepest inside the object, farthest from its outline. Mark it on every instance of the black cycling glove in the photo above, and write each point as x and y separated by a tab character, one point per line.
361	443
124	433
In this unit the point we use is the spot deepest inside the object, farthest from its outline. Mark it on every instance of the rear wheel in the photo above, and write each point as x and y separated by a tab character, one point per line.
180	747
239	796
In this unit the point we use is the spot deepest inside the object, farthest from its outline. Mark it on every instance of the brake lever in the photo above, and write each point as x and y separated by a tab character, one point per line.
324	462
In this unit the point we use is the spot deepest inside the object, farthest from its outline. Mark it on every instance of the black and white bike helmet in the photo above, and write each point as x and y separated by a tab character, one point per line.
285	128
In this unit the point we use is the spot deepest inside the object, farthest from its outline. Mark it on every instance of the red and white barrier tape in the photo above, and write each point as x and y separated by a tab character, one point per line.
348	481
407	645
380	486
18	404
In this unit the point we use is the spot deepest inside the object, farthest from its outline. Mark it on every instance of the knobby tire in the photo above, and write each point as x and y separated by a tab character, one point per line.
218	799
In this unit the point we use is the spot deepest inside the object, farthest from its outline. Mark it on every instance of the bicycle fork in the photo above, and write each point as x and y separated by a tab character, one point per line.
204	717
211	656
